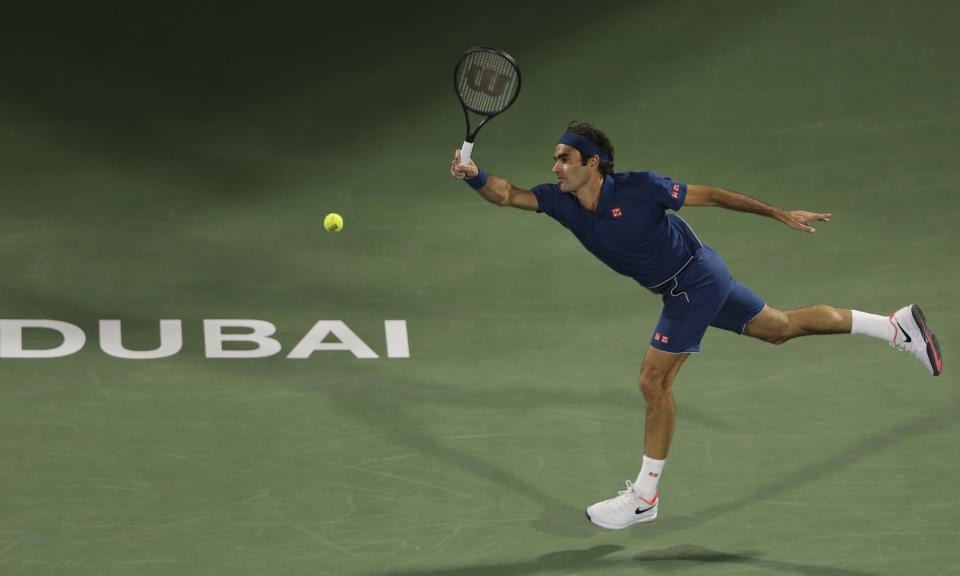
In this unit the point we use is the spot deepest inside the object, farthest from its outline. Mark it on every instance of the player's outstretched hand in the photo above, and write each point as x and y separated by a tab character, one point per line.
468	171
800	220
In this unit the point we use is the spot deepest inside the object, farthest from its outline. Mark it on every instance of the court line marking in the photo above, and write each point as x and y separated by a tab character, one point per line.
402	478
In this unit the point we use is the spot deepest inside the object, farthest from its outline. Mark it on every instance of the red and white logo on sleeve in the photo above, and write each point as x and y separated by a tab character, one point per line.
616	212
676	191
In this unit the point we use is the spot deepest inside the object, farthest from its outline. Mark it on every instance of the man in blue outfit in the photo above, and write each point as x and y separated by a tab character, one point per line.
622	219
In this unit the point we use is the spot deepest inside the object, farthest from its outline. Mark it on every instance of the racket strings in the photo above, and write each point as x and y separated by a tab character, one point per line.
487	63
494	75
502	69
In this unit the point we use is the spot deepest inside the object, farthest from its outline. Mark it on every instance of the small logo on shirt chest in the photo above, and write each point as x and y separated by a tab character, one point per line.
676	191
616	212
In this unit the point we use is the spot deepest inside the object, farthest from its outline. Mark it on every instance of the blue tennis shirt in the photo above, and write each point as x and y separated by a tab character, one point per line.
631	231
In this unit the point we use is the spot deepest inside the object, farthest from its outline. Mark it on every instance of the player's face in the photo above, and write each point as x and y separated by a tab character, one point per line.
569	169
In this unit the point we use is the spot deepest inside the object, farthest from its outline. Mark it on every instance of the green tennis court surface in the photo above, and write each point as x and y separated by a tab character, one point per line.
175	163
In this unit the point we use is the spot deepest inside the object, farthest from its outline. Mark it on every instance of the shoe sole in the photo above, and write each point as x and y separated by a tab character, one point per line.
933	346
611	527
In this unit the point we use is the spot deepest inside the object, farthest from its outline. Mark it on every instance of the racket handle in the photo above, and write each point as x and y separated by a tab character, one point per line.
465	152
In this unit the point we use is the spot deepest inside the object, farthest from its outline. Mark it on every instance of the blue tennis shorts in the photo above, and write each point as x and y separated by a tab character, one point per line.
703	294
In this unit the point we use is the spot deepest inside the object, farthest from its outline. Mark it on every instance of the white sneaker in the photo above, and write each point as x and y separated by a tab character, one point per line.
911	334
625	509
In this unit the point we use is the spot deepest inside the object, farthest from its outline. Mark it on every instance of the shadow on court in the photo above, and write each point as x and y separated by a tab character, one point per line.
384	411
813	471
675	558
559	516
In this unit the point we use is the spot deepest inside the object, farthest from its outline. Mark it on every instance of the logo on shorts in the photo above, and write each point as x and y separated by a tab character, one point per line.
676	191
617	212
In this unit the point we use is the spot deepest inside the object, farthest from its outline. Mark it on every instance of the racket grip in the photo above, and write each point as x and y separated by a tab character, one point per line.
465	152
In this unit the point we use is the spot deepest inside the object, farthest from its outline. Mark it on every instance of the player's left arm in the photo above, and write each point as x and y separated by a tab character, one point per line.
698	195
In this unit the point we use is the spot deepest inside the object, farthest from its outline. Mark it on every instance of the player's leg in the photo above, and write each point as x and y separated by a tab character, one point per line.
657	373
778	326
640	502
691	301
906	329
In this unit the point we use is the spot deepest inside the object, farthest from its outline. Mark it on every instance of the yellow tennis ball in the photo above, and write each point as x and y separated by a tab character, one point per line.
333	222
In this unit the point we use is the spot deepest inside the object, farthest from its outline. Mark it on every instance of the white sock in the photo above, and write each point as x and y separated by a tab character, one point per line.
649	477
871	325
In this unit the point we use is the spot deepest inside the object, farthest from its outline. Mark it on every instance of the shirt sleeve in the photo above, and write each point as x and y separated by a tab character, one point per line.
547	197
666	192
559	206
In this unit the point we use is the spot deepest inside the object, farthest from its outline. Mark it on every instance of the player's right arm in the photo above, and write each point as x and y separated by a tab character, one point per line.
497	190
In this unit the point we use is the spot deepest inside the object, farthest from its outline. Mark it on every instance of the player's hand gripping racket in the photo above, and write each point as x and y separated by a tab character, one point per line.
487	81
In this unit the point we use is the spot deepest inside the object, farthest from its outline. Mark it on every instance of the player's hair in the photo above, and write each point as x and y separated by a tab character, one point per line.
586	130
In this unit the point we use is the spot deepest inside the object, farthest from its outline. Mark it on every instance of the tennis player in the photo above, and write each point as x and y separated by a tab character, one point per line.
622	219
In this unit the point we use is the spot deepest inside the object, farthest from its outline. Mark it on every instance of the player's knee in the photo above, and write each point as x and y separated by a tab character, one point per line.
778	338
780	330
829	314
653	385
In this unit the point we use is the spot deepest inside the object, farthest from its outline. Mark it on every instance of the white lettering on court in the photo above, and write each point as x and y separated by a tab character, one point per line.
111	341
398	345
11	338
259	334
314	340
222	338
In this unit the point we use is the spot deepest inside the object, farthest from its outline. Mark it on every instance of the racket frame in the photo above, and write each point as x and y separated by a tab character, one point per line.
467	148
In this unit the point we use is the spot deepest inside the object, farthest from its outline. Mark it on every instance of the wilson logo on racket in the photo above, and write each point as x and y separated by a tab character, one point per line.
490	82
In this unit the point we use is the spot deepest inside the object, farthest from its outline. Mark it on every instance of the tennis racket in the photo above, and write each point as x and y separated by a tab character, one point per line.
487	81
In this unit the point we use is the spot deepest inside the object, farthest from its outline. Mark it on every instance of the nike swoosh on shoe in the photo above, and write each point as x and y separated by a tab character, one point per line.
907	336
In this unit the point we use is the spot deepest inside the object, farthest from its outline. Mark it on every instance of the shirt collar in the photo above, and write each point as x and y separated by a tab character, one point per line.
606	196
